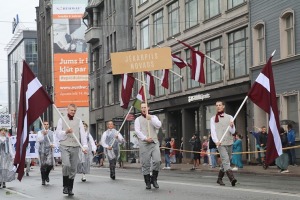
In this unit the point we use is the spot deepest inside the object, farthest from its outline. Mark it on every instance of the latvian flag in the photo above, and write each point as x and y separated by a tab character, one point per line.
263	94
140	98
179	62
126	90
150	83
165	78
197	72
33	102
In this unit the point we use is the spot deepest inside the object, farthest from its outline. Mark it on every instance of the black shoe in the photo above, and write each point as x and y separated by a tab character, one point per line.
4	185
154	179
47	180
147	181
27	174
112	173
70	188
43	182
66	190
83	180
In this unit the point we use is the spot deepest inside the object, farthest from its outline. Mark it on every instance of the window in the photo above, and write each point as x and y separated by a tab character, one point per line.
173	18
210	112
191	13
115	42
93	102
175	81
292	111
259	43
142	1
117	89
212	8
233	3
287	37
144	34
237	53
99	96
107	48
159	90
109	93
214	70
190	82
158	27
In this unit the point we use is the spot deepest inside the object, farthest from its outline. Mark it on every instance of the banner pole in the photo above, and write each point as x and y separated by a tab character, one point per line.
144	88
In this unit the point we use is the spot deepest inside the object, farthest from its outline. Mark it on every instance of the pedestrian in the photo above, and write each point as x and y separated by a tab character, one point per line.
237	148
69	146
257	145
263	137
7	155
213	149
291	135
110	141
99	155
86	159
173	151
145	128
282	161
45	143
218	125
196	147
167	153
204	150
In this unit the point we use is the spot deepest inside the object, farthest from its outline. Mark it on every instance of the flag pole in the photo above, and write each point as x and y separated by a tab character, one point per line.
44	129
237	112
222	65
144	88
122	124
140	81
69	127
156	77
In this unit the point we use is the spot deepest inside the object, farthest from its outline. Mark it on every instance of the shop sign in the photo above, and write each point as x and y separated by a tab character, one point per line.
198	97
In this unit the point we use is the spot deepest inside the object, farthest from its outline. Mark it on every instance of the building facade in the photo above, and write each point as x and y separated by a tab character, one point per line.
111	28
276	27
22	46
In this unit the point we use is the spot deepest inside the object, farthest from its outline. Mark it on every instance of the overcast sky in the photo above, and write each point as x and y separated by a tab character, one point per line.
9	10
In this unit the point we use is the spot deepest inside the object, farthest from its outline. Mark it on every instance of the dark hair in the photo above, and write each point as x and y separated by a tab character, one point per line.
290	126
281	130
239	135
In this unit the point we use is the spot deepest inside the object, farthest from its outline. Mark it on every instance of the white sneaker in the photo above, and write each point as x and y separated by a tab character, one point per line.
168	167
165	168
285	171
235	169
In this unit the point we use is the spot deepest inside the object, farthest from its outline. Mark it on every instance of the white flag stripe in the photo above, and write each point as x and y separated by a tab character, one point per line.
33	86
198	67
162	77
25	132
264	81
176	60
148	82
276	137
125	80
139	97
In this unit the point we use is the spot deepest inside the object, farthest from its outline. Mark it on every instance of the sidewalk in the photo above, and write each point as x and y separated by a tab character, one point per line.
248	169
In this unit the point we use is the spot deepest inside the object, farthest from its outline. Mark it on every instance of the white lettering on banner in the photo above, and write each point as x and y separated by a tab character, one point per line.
198	97
32	148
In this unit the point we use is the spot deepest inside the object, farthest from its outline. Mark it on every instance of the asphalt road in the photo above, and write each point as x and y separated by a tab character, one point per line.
174	184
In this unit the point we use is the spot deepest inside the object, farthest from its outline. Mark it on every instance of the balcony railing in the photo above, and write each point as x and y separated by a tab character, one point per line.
93	34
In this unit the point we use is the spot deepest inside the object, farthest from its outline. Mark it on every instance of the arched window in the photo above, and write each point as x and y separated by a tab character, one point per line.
287	34
259	43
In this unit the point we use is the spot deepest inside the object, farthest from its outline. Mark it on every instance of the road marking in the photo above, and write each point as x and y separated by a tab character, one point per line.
208	186
19	193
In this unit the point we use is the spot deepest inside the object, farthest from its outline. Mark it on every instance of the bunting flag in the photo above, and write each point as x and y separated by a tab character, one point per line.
139	99
263	94
33	101
150	83
179	62
197	72
126	90
165	78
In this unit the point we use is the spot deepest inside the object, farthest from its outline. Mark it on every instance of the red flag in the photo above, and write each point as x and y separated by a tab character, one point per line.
34	100
140	97
126	91
150	83
263	94
165	78
179	62
197	72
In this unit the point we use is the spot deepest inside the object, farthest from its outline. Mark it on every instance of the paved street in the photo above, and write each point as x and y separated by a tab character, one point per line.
174	184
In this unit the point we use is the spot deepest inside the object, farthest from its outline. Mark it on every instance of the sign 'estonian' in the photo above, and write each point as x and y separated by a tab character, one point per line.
142	60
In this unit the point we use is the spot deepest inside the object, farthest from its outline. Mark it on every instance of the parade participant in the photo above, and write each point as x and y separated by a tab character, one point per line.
7	154
45	141
218	125
86	159
149	145
110	141
69	147
237	147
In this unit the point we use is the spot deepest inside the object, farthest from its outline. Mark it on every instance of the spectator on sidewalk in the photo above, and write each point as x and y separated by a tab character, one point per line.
204	150
167	154
99	155
173	152
196	143
291	142
237	148
213	149
282	161
256	136
263	137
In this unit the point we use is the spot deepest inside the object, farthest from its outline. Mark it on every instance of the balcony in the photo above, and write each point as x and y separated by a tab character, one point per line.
93	34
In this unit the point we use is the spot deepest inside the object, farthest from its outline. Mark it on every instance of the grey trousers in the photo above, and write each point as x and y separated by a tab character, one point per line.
225	154
70	160
149	152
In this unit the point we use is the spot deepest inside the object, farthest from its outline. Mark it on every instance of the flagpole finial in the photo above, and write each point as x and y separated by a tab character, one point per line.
273	53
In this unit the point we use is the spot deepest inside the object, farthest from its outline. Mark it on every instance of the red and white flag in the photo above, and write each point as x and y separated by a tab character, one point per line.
150	83
197	72
165	78
34	100
263	94
126	90
179	62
